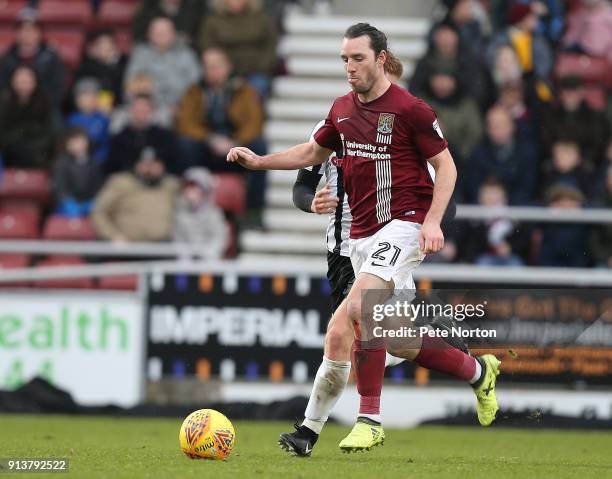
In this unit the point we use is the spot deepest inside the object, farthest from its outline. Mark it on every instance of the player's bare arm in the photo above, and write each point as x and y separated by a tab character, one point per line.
431	238
294	158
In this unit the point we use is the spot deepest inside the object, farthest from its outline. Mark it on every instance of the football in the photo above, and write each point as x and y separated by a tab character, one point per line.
207	434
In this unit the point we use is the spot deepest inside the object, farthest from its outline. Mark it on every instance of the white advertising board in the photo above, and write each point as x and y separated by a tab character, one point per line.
89	344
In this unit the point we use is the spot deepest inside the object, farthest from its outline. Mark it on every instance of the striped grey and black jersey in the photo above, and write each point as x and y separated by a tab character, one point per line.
305	187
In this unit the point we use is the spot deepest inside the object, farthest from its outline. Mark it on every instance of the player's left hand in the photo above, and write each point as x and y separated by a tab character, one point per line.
431	238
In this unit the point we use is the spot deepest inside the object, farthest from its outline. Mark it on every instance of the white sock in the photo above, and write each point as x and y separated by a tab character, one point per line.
329	384
477	373
391	360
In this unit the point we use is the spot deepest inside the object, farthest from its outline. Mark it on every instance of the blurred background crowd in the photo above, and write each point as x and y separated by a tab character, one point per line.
130	108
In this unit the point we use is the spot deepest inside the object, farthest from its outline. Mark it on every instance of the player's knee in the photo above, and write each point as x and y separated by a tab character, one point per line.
338	340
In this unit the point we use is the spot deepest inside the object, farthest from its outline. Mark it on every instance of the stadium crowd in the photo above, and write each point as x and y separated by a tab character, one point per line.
521	88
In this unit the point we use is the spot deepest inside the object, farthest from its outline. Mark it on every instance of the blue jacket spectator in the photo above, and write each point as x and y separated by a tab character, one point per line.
564	244
503	155
89	118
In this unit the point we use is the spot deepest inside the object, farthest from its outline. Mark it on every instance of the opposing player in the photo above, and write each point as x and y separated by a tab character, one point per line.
386	137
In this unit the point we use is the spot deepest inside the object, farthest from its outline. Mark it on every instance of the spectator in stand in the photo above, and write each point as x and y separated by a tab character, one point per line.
503	155
564	244
198	220
458	114
532	51
512	98
551	20
445	51
104	62
30	49
249	37
140	133
138	205
139	85
171	65
77	177
26	125
600	240
471	21
574	117
495	242
217	114
566	167
589	29
89	117
185	14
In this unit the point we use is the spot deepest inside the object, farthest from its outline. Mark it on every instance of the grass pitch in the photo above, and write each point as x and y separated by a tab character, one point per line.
104	447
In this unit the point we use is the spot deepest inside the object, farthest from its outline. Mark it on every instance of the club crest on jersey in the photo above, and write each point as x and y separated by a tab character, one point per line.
385	128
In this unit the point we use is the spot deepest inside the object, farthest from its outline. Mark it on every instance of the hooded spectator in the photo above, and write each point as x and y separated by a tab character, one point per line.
198	221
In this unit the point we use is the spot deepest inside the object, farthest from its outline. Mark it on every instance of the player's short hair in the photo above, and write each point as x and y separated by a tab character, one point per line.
393	65
378	40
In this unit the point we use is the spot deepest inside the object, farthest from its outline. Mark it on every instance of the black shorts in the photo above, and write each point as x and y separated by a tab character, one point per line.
341	277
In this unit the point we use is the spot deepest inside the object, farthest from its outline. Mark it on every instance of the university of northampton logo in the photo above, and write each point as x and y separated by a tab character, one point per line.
385	128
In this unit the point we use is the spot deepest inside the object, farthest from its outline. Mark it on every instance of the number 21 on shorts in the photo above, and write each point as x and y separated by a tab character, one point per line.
386	254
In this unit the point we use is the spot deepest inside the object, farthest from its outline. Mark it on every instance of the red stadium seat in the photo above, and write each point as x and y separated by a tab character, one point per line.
68	42
7	37
15	224
229	192
591	70
116	14
11	261
69	229
595	96
9	10
68	283
27	207
8	261
63	12
124	282
25	185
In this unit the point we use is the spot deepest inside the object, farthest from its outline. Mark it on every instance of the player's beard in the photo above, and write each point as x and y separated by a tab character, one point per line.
366	85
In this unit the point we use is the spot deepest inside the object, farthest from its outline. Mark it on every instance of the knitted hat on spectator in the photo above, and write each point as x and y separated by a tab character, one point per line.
87	85
200	177
518	12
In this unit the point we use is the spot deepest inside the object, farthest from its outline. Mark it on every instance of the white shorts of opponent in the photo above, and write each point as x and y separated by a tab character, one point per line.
392	253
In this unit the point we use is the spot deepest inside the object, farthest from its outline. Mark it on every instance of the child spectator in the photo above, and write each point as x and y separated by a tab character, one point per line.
89	117
566	167
104	62
495	242
26	122
197	220
564	244
77	177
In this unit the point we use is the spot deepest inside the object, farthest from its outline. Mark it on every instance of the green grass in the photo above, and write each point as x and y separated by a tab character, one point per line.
103	447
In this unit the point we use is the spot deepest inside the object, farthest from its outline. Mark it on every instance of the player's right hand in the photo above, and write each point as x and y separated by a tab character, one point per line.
244	157
323	201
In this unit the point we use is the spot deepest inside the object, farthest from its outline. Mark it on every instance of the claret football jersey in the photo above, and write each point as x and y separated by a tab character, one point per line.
385	145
